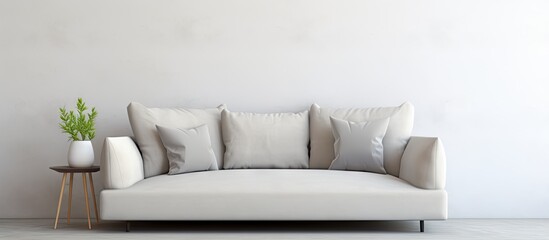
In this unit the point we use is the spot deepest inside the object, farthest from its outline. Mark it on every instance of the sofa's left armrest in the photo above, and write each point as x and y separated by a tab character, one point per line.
121	163
423	163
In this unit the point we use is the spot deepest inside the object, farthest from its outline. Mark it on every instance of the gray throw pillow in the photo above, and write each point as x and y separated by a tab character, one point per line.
188	150
359	145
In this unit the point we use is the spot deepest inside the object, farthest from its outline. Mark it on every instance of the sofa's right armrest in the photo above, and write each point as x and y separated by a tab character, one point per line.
423	163
121	163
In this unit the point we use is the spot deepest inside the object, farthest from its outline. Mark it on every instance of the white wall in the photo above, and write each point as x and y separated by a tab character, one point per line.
477	72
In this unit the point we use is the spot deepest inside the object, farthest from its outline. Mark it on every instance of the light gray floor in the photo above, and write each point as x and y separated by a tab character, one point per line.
450	229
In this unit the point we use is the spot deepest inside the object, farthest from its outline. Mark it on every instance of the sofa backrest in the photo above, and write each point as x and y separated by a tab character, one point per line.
321	154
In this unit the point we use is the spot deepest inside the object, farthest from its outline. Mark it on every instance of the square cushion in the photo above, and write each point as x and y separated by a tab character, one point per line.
358	145
143	121
188	150
275	140
395	140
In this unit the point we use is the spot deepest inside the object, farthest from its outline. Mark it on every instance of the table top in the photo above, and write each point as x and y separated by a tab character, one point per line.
68	169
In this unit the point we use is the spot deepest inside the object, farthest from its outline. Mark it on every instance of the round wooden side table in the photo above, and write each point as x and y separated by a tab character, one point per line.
71	170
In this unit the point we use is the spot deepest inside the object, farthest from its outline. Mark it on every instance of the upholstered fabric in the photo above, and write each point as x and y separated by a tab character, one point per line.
275	140
358	145
121	163
188	150
280	194
143	121
424	163
394	142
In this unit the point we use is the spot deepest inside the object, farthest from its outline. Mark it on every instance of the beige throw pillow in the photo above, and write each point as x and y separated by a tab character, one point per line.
275	140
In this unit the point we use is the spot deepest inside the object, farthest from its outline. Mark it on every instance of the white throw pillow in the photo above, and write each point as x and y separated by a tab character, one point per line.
188	150
276	140
395	140
359	145
144	120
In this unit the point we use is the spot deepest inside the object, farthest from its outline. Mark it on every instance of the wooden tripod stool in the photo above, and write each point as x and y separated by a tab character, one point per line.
71	170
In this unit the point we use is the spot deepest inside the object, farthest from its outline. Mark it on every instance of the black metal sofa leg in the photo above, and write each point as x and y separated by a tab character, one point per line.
127	226
421	226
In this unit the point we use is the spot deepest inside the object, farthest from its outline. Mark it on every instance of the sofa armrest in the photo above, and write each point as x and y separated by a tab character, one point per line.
423	163
121	163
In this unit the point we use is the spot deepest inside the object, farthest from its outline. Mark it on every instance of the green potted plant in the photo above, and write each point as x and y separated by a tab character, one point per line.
80	127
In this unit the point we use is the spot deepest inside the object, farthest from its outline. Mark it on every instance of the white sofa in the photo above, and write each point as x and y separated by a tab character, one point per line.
417	193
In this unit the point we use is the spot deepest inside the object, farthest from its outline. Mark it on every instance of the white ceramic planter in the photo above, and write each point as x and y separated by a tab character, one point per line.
81	154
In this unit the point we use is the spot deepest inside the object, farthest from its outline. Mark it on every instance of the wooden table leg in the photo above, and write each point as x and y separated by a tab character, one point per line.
93	196
60	199
86	196
70	200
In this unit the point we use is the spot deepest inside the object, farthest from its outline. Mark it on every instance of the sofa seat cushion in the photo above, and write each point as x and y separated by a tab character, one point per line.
273	194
